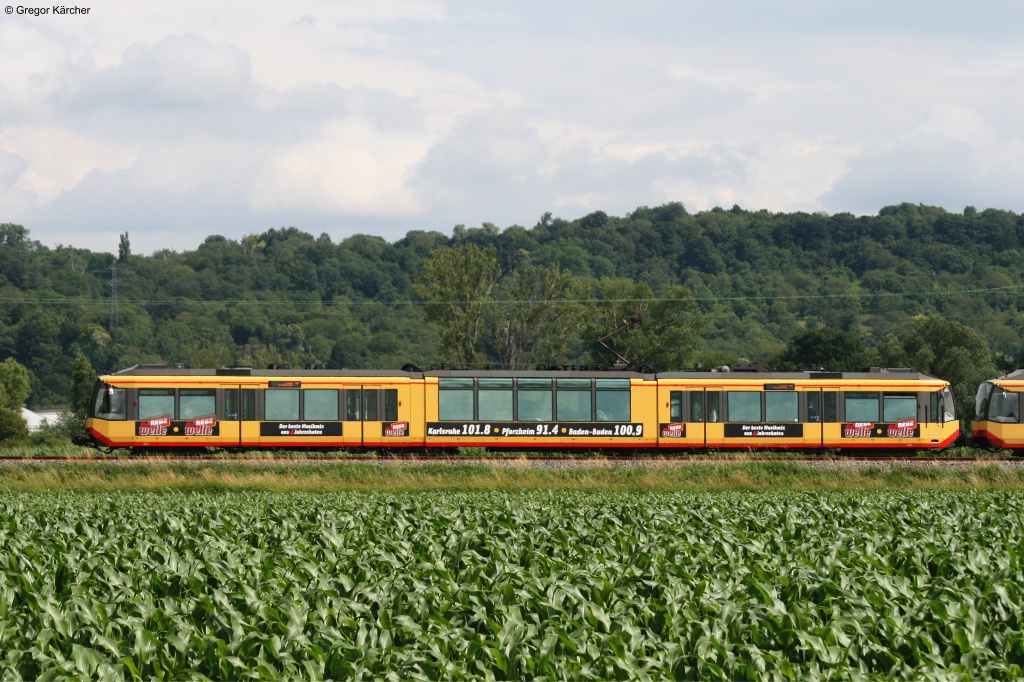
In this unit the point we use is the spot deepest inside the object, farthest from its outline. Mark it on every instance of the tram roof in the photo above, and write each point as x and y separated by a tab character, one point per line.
720	373
1016	375
177	370
901	374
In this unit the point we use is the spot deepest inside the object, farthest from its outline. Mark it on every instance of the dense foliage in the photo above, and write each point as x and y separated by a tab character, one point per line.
499	585
759	279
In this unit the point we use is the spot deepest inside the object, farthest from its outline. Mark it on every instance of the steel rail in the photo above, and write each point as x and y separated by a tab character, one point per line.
500	458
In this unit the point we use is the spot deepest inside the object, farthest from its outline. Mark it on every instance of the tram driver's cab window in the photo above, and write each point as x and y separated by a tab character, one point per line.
110	403
1004	406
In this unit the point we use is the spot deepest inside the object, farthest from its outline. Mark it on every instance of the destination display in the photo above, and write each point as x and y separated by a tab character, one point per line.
783	430
538	430
905	428
298	428
165	426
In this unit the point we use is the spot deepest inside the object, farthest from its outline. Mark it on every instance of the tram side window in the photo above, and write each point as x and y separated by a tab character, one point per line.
675	409
197	402
371	409
831	403
495	399
156	402
1004	406
390	404
613	396
281	404
713	405
320	404
697	407
781	406
896	407
533	400
861	407
743	406
231	405
110	403
574	400
814	406
455	399
353	404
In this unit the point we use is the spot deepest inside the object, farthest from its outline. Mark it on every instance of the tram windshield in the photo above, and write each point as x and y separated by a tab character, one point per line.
948	406
981	400
110	402
1004	406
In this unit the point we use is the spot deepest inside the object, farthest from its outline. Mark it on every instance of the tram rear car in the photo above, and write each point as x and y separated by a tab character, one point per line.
880	409
997	408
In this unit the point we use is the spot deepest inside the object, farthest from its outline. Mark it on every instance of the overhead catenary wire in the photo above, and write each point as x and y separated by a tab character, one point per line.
1007	290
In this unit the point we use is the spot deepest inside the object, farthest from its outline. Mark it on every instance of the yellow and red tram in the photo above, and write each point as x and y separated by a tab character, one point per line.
997	406
876	409
570	410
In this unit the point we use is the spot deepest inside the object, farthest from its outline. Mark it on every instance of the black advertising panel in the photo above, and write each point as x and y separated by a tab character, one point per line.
906	428
165	426
538	430
297	429
784	430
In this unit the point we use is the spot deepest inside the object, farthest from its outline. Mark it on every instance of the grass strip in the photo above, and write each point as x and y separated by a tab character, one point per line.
67	451
599	475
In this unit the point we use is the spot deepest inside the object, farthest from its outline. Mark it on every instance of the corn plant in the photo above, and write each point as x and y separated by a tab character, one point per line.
548	585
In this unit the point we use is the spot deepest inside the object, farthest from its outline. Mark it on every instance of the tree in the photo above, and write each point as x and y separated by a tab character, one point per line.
944	349
124	249
83	377
660	333
825	347
14	391
538	315
456	286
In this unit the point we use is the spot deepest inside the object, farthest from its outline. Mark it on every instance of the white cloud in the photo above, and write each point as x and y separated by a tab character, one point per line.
349	168
951	158
178	72
180	120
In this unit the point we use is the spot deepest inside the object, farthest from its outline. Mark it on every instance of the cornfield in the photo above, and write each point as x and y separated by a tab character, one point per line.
498	585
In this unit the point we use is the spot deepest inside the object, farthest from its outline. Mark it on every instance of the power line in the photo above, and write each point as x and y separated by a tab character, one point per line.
1009	290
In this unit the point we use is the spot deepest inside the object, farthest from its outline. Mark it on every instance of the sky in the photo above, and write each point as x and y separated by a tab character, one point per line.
179	120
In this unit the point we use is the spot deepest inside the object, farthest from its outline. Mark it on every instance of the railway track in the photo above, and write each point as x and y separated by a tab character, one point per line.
506	460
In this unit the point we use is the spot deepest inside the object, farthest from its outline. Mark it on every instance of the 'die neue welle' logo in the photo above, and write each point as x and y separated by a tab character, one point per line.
155	426
902	429
396	429
201	426
673	430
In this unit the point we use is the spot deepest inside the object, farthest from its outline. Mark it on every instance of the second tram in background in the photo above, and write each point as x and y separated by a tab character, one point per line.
164	407
997	408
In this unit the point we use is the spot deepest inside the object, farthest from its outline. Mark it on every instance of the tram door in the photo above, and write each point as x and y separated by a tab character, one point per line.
831	429
239	426
813	427
378	414
682	424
